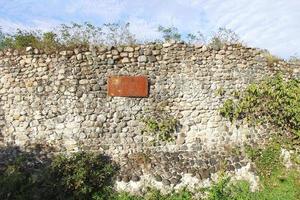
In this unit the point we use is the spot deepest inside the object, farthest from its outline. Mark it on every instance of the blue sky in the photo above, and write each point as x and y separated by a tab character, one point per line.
268	24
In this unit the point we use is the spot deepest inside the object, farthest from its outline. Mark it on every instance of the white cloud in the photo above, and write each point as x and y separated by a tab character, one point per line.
108	9
265	24
44	25
143	29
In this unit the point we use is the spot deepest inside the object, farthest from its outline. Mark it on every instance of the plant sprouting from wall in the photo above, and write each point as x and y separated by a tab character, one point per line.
159	123
162	128
272	60
75	34
169	33
273	101
196	38
118	34
224	36
2	37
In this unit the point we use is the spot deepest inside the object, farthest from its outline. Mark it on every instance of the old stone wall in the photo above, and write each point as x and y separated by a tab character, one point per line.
61	100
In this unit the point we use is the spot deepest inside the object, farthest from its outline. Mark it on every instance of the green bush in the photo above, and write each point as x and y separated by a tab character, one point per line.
79	176
219	191
274	101
69	36
17	181
169	33
162	128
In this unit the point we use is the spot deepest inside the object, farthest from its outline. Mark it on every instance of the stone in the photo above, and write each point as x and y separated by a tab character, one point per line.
126	179
28	49
110	61
79	56
204	173
166	45
151	59
135	178
158	178
174	181
166	182
63	100
128	49
125	60
142	58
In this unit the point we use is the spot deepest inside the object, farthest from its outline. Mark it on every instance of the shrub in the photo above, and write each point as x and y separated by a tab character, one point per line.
218	191
275	101
224	36
169	33
272	60
162	128
70	36
79	176
17	181
197	38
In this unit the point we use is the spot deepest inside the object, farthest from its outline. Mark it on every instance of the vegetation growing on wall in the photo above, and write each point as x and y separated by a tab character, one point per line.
89	176
75	34
273	101
162	128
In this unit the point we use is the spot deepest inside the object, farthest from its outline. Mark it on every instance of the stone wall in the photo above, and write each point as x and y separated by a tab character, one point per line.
61	100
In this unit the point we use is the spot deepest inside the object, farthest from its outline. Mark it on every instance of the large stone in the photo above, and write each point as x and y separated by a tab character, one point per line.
129	49
142	58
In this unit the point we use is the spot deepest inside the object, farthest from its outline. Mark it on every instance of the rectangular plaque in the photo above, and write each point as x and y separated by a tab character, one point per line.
128	86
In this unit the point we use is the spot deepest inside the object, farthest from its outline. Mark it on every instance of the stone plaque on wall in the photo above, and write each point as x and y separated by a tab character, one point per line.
128	86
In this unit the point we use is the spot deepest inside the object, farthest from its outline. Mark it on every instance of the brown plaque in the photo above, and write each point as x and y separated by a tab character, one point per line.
128	86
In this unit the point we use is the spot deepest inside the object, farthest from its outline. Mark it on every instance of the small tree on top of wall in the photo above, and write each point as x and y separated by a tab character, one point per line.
169	33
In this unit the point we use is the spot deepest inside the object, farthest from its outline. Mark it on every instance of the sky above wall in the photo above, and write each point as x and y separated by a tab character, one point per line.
268	24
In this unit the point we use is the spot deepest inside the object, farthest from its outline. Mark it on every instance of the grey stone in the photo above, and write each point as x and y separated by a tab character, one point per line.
166	182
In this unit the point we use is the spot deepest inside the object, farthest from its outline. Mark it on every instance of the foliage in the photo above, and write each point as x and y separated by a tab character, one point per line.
218	191
266	159
116	34
161	127
180	195
17	181
283	185
69	36
2	37
21	39
220	91
197	38
294	59
86	33
271	59
224	36
154	194
274	101
79	176
170	33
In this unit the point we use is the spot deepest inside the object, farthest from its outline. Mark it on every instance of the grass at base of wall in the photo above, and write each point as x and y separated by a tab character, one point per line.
90	176
283	185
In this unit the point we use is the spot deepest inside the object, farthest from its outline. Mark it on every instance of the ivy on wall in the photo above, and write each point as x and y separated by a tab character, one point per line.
274	101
